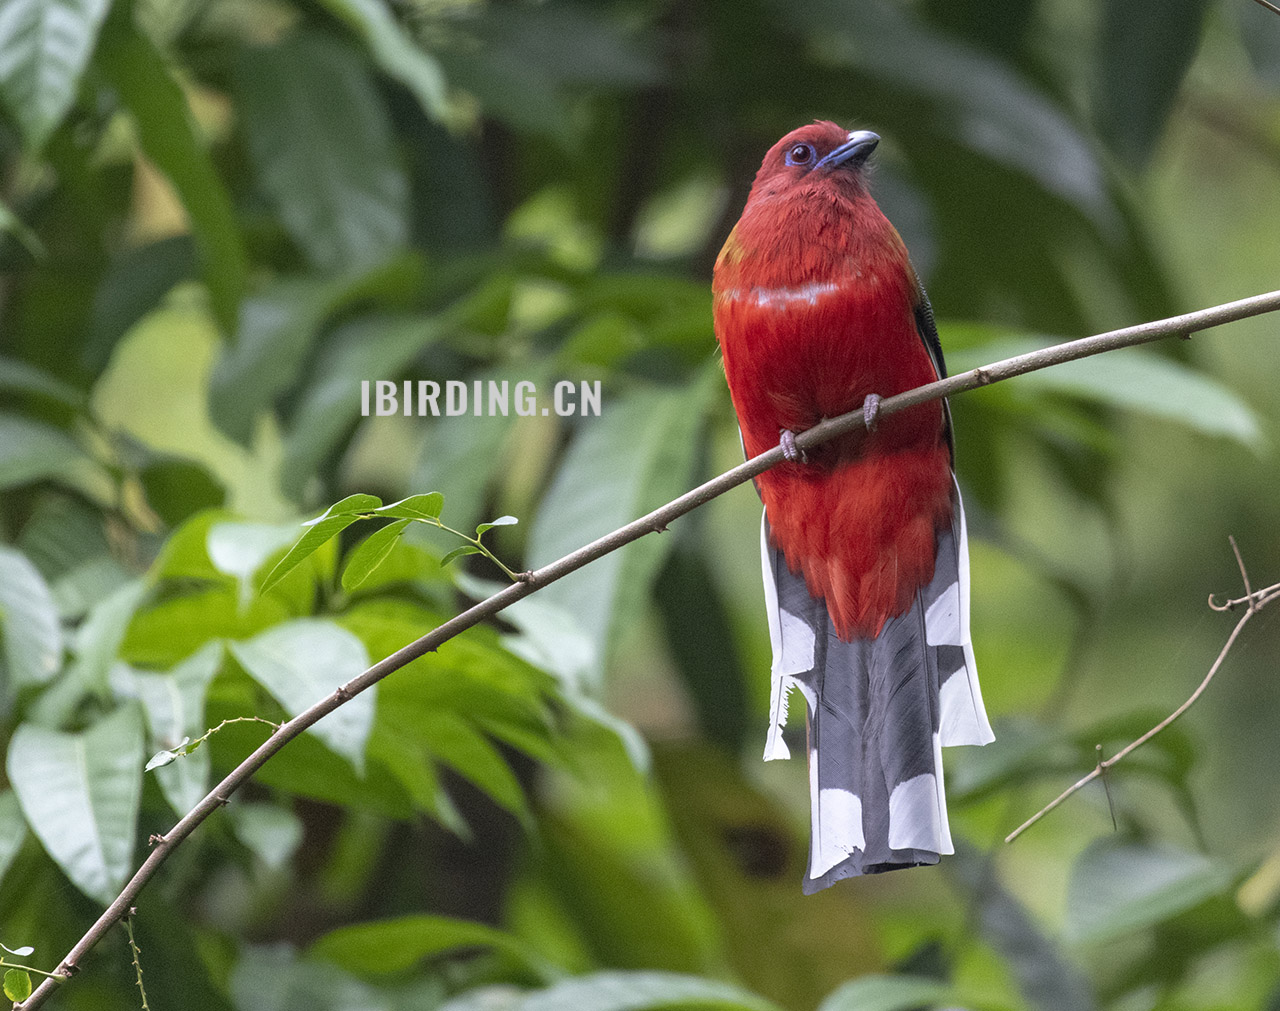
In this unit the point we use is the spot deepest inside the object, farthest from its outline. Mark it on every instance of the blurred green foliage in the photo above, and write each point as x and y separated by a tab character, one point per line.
218	216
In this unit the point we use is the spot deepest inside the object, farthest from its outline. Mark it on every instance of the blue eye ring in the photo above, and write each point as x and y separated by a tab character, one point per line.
800	154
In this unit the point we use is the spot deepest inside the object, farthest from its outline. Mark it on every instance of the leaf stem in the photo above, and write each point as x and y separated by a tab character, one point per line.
26	968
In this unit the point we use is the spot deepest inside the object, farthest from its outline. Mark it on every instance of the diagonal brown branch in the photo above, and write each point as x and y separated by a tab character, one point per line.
1255	601
655	521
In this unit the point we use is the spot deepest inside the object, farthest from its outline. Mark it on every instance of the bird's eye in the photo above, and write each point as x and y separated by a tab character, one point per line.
800	154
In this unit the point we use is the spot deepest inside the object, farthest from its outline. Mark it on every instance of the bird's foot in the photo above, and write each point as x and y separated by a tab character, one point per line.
790	451
871	411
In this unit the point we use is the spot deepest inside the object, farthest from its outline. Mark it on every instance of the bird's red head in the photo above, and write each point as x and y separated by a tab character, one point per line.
820	156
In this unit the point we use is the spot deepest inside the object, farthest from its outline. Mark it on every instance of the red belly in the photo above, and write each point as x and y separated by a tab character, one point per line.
859	519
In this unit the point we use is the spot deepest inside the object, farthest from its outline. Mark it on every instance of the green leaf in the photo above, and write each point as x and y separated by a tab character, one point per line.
95	645
1146	47
173	702
979	101
25	378
501	521
639	991
327	525
416	507
395	53
177	489
241	549
455	741
44	48
169	137
275	979
887	993
272	832
397	945
80	794
369	555
22	952
29	617
300	662
1137	380
638	455
322	149
32	451
367	348
11	224
134	284
13	832
17	985
1117	887
277	328
465	549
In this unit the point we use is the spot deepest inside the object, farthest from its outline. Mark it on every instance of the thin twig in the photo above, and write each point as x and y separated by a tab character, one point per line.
657	520
1269	6
1244	573
137	957
1256	602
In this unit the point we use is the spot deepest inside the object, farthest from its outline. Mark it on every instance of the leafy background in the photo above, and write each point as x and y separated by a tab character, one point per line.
216	217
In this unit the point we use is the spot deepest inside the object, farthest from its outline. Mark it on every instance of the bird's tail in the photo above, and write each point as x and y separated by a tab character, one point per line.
879	712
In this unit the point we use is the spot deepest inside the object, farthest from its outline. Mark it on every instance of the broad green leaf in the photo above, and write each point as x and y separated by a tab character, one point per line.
95	646
980	102
168	135
322	150
277	328
173	702
887	993
1137	380
272	832
367	348
1145	49
25	378
638	455
80	793
369	555
328	524
241	549
17	985
1117	887
427	507
44	48
393	50
276	979
32	637
641	991
300	662
455	741
177	489
33	451
396	945
168	631
134	285
13	831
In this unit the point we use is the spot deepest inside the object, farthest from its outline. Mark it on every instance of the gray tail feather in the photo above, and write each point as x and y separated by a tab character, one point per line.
879	711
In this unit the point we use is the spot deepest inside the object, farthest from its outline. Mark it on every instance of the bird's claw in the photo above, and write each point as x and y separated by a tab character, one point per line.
790	451
871	411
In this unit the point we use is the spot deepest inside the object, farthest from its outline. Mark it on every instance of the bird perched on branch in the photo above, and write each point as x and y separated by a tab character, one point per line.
818	311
